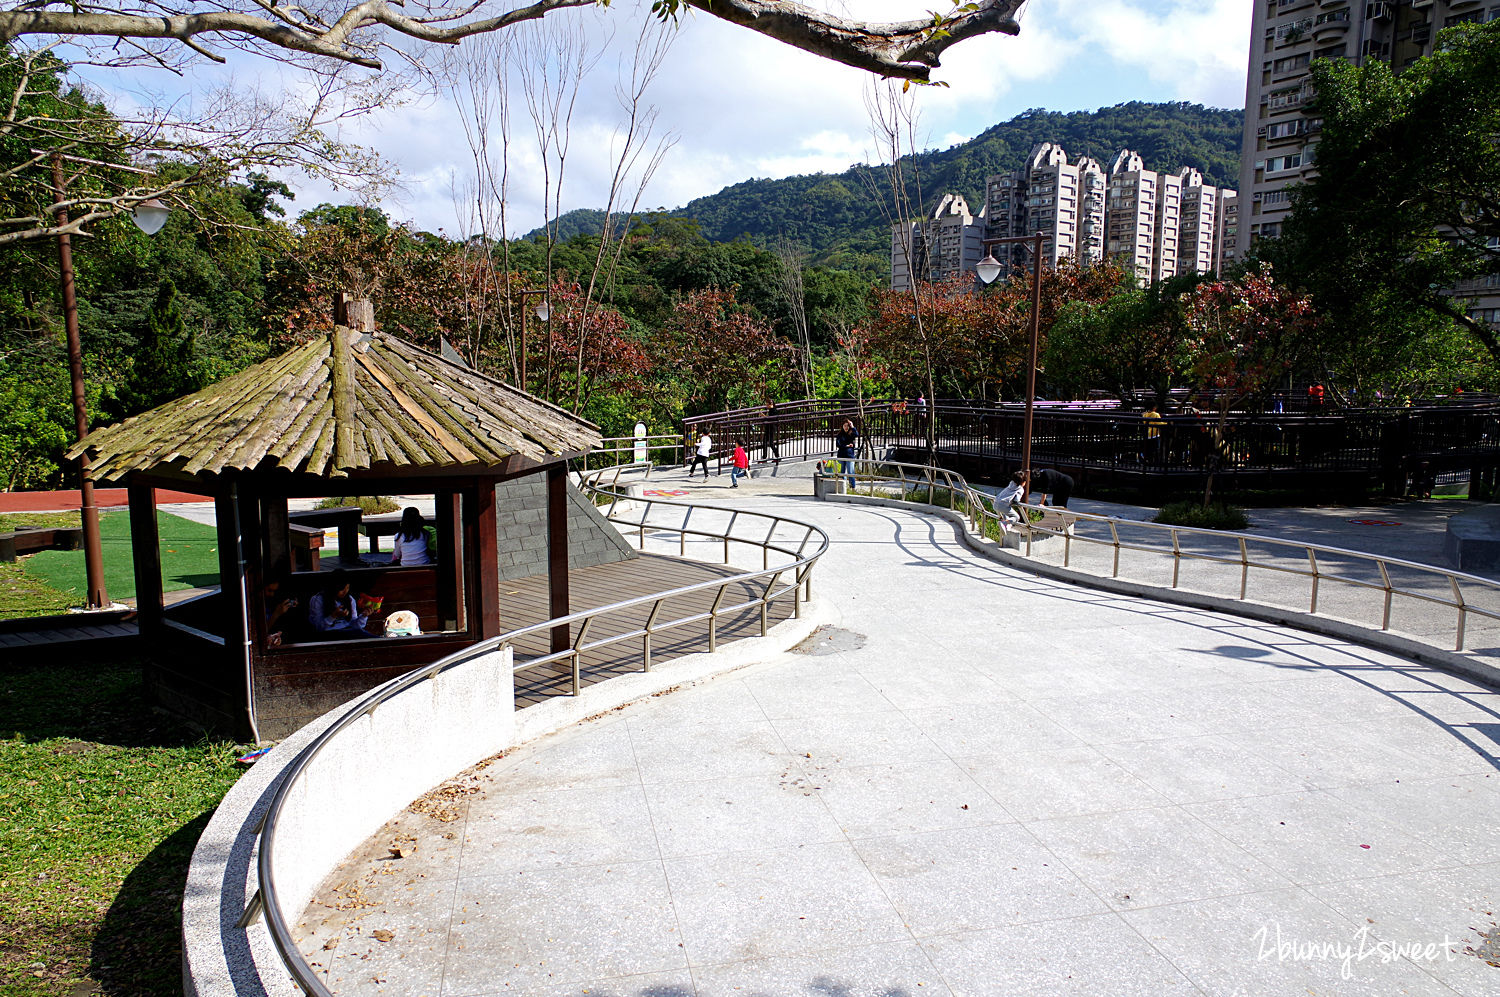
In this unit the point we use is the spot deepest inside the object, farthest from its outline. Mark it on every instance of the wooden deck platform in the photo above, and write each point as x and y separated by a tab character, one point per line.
524	601
25	640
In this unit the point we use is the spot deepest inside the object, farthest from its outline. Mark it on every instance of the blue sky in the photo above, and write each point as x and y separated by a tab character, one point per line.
742	106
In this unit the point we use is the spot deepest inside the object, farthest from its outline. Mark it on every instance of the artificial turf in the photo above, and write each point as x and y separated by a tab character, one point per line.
189	558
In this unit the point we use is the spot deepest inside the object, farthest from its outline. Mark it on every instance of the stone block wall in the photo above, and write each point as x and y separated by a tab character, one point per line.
521	509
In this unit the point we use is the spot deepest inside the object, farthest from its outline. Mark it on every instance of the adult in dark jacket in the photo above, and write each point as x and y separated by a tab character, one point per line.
1049	487
847	442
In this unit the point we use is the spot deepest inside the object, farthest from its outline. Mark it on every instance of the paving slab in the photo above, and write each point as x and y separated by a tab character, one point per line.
975	782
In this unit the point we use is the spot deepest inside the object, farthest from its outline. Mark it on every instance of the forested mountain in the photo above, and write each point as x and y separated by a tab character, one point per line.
839	220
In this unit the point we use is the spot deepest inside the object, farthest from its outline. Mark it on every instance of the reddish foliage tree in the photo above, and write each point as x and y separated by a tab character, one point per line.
977	337
611	361
1247	333
716	346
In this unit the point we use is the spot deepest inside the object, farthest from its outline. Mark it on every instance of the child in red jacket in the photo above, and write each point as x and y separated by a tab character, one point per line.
741	468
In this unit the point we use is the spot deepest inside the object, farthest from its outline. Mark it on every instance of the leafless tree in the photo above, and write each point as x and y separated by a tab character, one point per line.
893	126
161	150
790	275
636	154
478	82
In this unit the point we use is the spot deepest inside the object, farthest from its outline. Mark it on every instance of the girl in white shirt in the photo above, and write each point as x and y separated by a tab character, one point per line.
411	542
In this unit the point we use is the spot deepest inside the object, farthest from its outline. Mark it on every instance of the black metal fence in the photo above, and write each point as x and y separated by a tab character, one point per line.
1384	445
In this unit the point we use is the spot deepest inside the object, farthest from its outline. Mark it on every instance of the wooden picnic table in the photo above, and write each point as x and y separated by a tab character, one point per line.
376	527
344	518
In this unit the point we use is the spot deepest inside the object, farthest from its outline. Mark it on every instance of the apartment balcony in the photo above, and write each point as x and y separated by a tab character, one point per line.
1333	27
1325	4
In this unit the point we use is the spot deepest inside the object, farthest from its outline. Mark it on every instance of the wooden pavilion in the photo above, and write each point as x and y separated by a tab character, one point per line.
349	413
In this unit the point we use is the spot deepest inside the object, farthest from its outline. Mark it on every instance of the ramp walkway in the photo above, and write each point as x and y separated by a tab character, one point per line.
974	782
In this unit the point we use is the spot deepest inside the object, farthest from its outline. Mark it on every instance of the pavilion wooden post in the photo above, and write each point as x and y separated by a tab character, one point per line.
353	313
485	600
450	576
557	551
145	552
278	560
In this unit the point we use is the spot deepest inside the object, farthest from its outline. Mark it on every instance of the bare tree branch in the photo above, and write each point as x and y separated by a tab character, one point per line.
902	49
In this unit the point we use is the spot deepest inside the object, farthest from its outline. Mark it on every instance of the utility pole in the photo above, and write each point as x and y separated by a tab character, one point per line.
93	550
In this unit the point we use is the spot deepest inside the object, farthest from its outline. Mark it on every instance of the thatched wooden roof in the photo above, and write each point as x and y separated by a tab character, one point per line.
343	402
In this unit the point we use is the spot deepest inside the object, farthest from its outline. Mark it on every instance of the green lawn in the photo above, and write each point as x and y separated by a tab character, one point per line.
21	594
189	558
101	803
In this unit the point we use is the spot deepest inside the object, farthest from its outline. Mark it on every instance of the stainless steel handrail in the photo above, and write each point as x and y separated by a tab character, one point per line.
983	520
265	901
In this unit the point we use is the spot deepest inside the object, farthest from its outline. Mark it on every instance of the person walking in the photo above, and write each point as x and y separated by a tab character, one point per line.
1153	422
768	429
847	440
740	468
701	455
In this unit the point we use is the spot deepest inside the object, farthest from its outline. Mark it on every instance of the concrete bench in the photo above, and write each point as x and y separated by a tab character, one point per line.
29	540
1472	540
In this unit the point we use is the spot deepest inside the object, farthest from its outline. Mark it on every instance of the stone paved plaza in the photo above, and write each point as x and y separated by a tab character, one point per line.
971	782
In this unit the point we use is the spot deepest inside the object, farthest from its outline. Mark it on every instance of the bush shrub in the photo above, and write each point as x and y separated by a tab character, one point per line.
369	505
1216	516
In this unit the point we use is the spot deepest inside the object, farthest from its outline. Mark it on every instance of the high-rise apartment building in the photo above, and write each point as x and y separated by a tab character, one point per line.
1197	248
1280	140
1228	235
1082	210
946	243
1131	214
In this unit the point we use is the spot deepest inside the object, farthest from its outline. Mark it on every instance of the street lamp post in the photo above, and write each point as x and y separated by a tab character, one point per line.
543	311
149	217
988	269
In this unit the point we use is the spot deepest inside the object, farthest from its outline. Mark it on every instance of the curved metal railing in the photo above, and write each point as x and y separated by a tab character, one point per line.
655	517
1320	565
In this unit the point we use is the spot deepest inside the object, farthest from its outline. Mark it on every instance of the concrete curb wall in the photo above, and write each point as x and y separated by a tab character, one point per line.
1380	640
372	770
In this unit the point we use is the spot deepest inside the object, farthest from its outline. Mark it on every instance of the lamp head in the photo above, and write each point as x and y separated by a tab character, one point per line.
988	268
150	216
543	312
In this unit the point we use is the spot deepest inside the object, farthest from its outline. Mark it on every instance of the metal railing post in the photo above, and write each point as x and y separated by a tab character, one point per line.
1463	611
1312	560
1385	582
713	620
577	658
1176	559
1244	568
646	637
1114	535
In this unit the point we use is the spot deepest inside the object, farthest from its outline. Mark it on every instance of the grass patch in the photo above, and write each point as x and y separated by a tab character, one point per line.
12	521
1216	516
101	803
189	558
23	596
369	505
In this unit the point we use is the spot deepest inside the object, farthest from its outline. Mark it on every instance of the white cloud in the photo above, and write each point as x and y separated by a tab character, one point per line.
1198	48
741	105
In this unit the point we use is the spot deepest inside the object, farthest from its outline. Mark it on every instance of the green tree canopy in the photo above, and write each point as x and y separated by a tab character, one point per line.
1406	203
